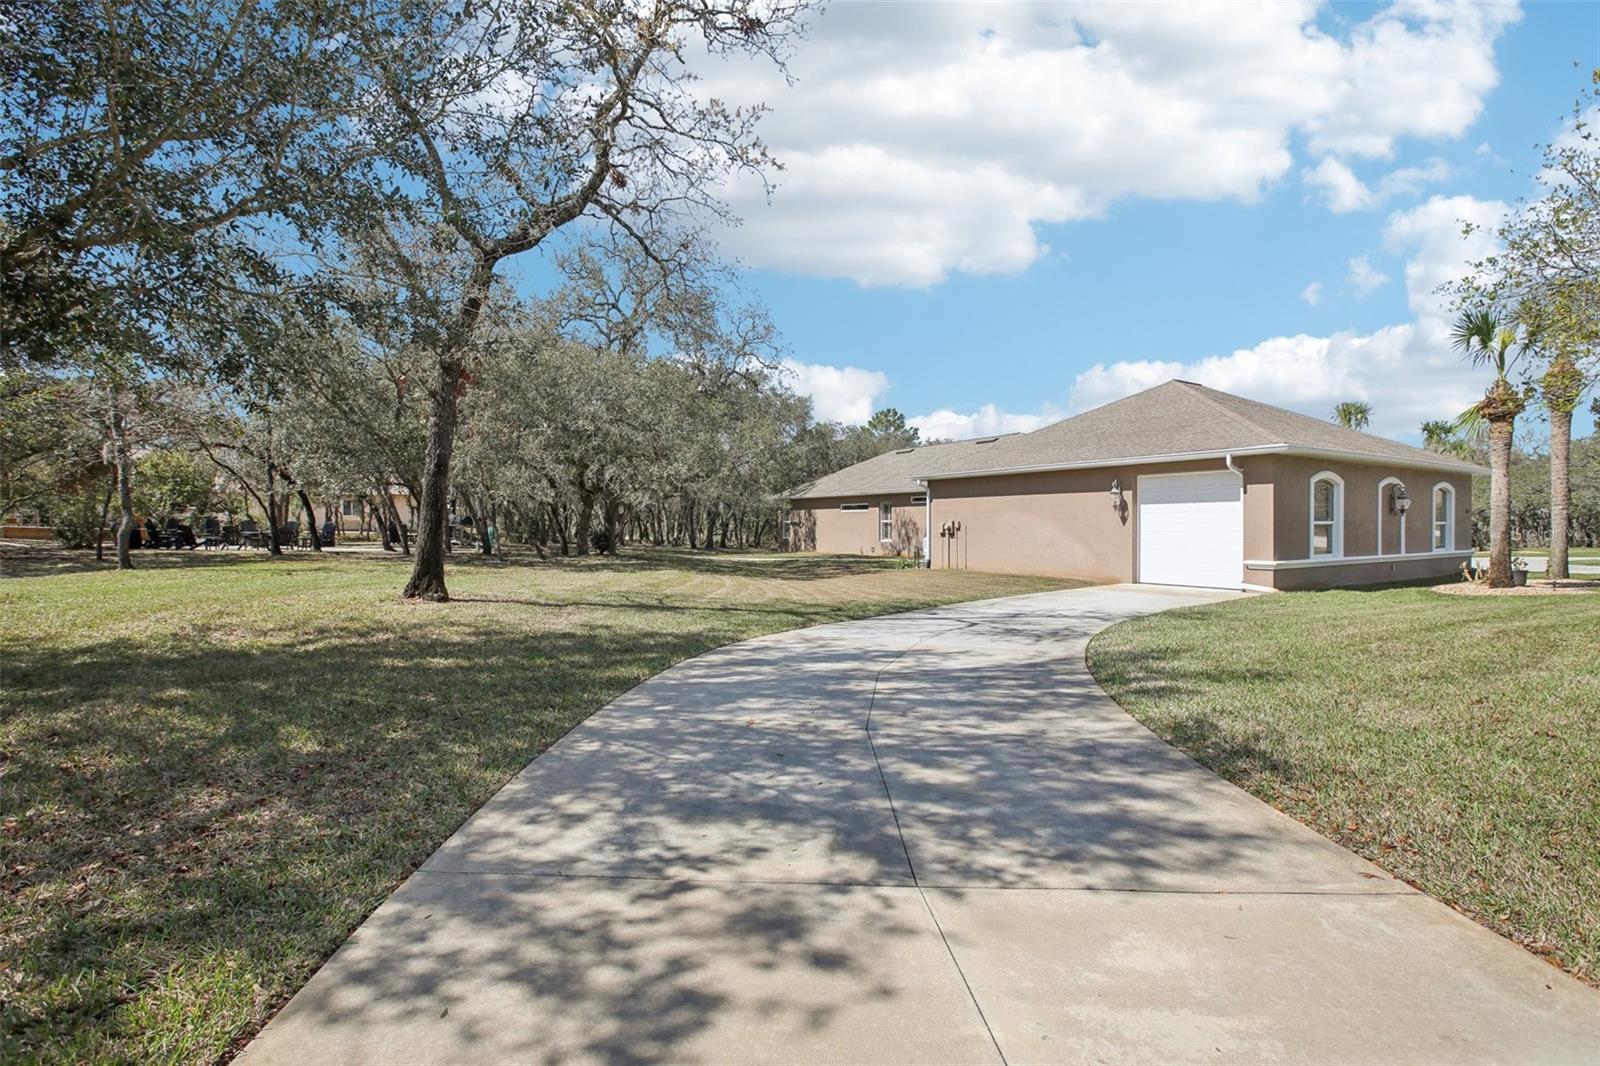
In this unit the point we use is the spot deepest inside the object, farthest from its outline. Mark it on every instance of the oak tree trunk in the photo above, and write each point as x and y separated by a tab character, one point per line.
105	514
427	575
123	461
311	520
433	535
381	518
274	523
559	521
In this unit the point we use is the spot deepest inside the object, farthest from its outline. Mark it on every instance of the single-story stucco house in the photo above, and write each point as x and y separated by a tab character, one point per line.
1176	485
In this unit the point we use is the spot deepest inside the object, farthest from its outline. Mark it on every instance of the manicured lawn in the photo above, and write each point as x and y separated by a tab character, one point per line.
213	768
1453	741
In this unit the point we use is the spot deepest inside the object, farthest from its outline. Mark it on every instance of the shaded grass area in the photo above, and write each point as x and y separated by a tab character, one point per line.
1453	741
213	768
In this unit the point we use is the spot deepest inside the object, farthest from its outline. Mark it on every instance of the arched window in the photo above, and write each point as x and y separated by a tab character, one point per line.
1386	508
1327	514
1444	517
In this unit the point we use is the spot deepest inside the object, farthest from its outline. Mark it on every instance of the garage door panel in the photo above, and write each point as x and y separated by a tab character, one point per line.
1191	529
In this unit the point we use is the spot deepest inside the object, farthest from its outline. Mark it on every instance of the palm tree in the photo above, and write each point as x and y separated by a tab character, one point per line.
1560	387
1353	414
1490	340
1441	436
1450	437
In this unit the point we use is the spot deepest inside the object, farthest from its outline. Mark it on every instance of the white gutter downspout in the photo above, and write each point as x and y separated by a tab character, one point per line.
1227	461
927	524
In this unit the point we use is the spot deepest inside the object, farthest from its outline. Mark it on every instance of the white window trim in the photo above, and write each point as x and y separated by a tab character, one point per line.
1336	534
918	500
855	507
886	515
1449	517
1383	509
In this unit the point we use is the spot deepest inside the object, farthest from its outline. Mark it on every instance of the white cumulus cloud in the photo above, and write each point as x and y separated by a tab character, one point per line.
1339	186
838	393
922	139
1344	192
1312	294
1364	277
986	421
1408	372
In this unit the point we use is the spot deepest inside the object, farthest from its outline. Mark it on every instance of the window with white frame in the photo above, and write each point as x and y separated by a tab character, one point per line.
1444	510
886	522
919	500
350	507
1327	514
853	507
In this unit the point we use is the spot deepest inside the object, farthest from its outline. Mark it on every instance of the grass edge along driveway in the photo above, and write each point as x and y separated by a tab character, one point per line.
1454	741
214	767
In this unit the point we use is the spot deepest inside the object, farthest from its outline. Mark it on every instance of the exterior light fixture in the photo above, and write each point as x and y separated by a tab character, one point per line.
1399	500
1116	495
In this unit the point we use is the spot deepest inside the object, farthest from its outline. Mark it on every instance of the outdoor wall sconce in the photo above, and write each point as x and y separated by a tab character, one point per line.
1116	495
1399	500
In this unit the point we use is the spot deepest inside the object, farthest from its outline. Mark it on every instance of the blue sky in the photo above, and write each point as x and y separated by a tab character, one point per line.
994	216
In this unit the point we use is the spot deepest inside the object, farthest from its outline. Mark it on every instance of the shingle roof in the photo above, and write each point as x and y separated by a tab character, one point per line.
893	471
1168	422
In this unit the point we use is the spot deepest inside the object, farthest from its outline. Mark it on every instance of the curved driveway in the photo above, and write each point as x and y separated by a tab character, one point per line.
925	837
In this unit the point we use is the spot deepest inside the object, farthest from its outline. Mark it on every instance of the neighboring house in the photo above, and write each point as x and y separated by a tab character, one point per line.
355	514
1179	484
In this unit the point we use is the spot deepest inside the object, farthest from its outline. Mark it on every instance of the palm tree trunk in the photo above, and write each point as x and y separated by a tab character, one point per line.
1560	490
1500	503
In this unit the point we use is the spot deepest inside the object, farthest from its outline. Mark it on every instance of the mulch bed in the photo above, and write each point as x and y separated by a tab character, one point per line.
1534	587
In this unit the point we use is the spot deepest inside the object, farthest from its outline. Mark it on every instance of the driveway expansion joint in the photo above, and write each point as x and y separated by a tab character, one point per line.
910	865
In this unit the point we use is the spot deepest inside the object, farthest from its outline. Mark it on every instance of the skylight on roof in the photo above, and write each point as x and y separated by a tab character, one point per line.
986	440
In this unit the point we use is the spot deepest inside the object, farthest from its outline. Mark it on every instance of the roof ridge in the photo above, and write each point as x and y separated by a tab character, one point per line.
1204	392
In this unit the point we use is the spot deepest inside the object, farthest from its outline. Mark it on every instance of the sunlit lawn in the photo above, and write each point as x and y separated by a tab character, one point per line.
1452	740
212	768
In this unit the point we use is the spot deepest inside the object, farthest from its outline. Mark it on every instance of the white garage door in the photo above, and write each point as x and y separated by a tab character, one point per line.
1191	529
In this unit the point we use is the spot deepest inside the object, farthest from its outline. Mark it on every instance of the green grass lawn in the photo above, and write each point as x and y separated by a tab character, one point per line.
213	768
1452	740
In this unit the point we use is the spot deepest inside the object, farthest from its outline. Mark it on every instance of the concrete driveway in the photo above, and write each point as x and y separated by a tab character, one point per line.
928	837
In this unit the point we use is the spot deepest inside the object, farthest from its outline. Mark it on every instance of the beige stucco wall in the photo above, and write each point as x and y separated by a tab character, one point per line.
1061	523
820	526
1363	506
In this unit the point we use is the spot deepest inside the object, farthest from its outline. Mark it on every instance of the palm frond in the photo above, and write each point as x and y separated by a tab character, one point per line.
1473	427
1474	332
